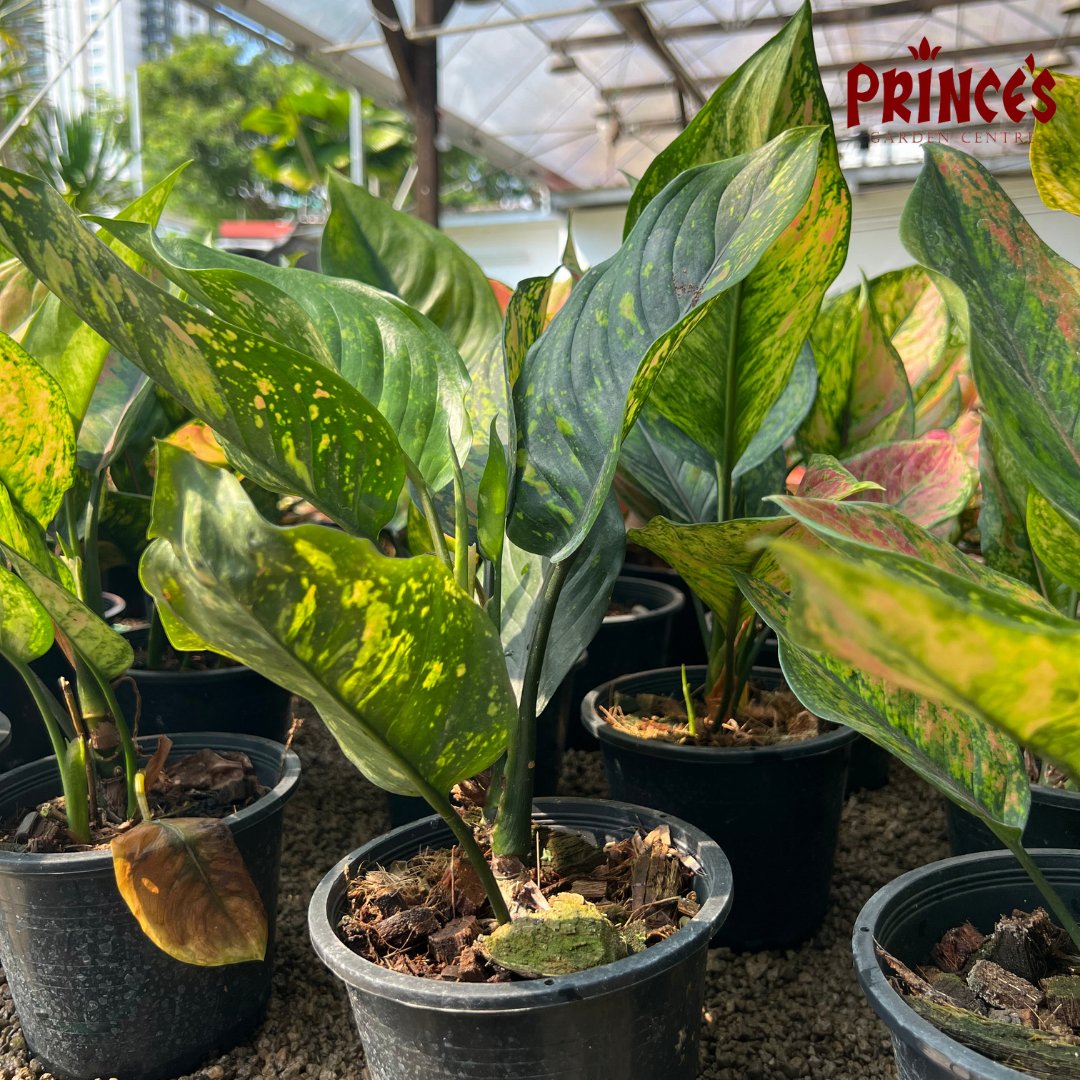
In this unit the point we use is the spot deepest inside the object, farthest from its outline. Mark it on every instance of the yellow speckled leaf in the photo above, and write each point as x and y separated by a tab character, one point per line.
405	670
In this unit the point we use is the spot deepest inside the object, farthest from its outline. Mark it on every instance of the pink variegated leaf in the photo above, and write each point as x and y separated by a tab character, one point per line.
927	479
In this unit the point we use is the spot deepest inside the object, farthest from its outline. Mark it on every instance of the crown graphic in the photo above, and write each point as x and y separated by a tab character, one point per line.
923	51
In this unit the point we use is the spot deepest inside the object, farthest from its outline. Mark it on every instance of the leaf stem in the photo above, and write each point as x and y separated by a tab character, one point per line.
46	703
140	795
513	826
691	716
461	526
131	757
431	516
1056	904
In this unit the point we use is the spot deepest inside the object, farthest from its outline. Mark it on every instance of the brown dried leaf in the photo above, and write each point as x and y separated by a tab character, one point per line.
185	881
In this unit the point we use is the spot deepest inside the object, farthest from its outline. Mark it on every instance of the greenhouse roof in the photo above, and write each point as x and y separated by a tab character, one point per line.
580	92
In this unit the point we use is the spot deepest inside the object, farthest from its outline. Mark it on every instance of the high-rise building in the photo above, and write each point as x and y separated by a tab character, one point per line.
133	31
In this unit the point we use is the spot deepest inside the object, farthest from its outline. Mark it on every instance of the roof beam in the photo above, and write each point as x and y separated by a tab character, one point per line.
637	24
967	52
862	13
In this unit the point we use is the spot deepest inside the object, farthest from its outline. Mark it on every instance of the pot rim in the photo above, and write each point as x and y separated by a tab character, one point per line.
671	606
363	975
73	862
890	1006
701	755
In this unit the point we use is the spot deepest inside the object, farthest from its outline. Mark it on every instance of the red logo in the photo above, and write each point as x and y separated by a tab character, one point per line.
905	95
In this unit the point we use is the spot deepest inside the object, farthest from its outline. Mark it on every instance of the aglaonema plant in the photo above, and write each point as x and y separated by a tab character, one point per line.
427	669
886	628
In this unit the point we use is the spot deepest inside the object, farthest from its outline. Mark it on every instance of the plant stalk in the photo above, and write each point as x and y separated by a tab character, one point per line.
513	827
691	716
1056	904
431	516
461	527
155	640
127	745
45	703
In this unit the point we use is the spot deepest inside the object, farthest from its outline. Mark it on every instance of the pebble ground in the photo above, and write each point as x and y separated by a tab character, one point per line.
795	1014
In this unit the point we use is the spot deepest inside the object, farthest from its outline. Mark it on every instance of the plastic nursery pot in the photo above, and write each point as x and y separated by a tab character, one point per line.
909	915
868	767
635	1019
775	810
625	643
1054	822
94	995
685	645
551	727
29	739
232	699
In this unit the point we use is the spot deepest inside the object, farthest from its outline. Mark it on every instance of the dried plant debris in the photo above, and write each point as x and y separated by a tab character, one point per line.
428	916
206	784
1012	995
764	718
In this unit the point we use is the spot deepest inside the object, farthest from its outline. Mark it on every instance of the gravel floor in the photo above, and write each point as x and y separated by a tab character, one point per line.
794	1014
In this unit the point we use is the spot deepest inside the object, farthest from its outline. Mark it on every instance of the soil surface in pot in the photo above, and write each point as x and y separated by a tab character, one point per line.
765	717
206	784
1012	995
585	906
790	1014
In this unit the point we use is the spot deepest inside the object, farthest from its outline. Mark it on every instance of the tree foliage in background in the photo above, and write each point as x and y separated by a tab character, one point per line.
262	130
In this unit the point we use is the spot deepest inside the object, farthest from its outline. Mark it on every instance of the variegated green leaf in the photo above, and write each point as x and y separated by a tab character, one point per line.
406	671
1002	525
863	396
663	471
778	88
868	531
706	555
393	355
526	318
122	395
92	637
1055	538
1053	148
915	318
949	639
581	606
70	349
979	768
787	413
927	479
295	425
491	499
37	450
586	378
1024	312
367	240
26	631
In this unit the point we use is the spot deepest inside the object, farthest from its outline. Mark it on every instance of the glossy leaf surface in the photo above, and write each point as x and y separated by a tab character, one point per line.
367	240
25	628
946	638
405	670
1024	312
1055	538
585	380
298	426
1053	148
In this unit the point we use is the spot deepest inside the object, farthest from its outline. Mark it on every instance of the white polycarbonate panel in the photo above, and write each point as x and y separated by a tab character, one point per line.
581	128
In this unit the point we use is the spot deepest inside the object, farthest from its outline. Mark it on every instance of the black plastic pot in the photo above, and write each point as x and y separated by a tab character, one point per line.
29	739
625	643
685	645
94	995
551	727
775	810
635	1019
909	915
1054	822
234	699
